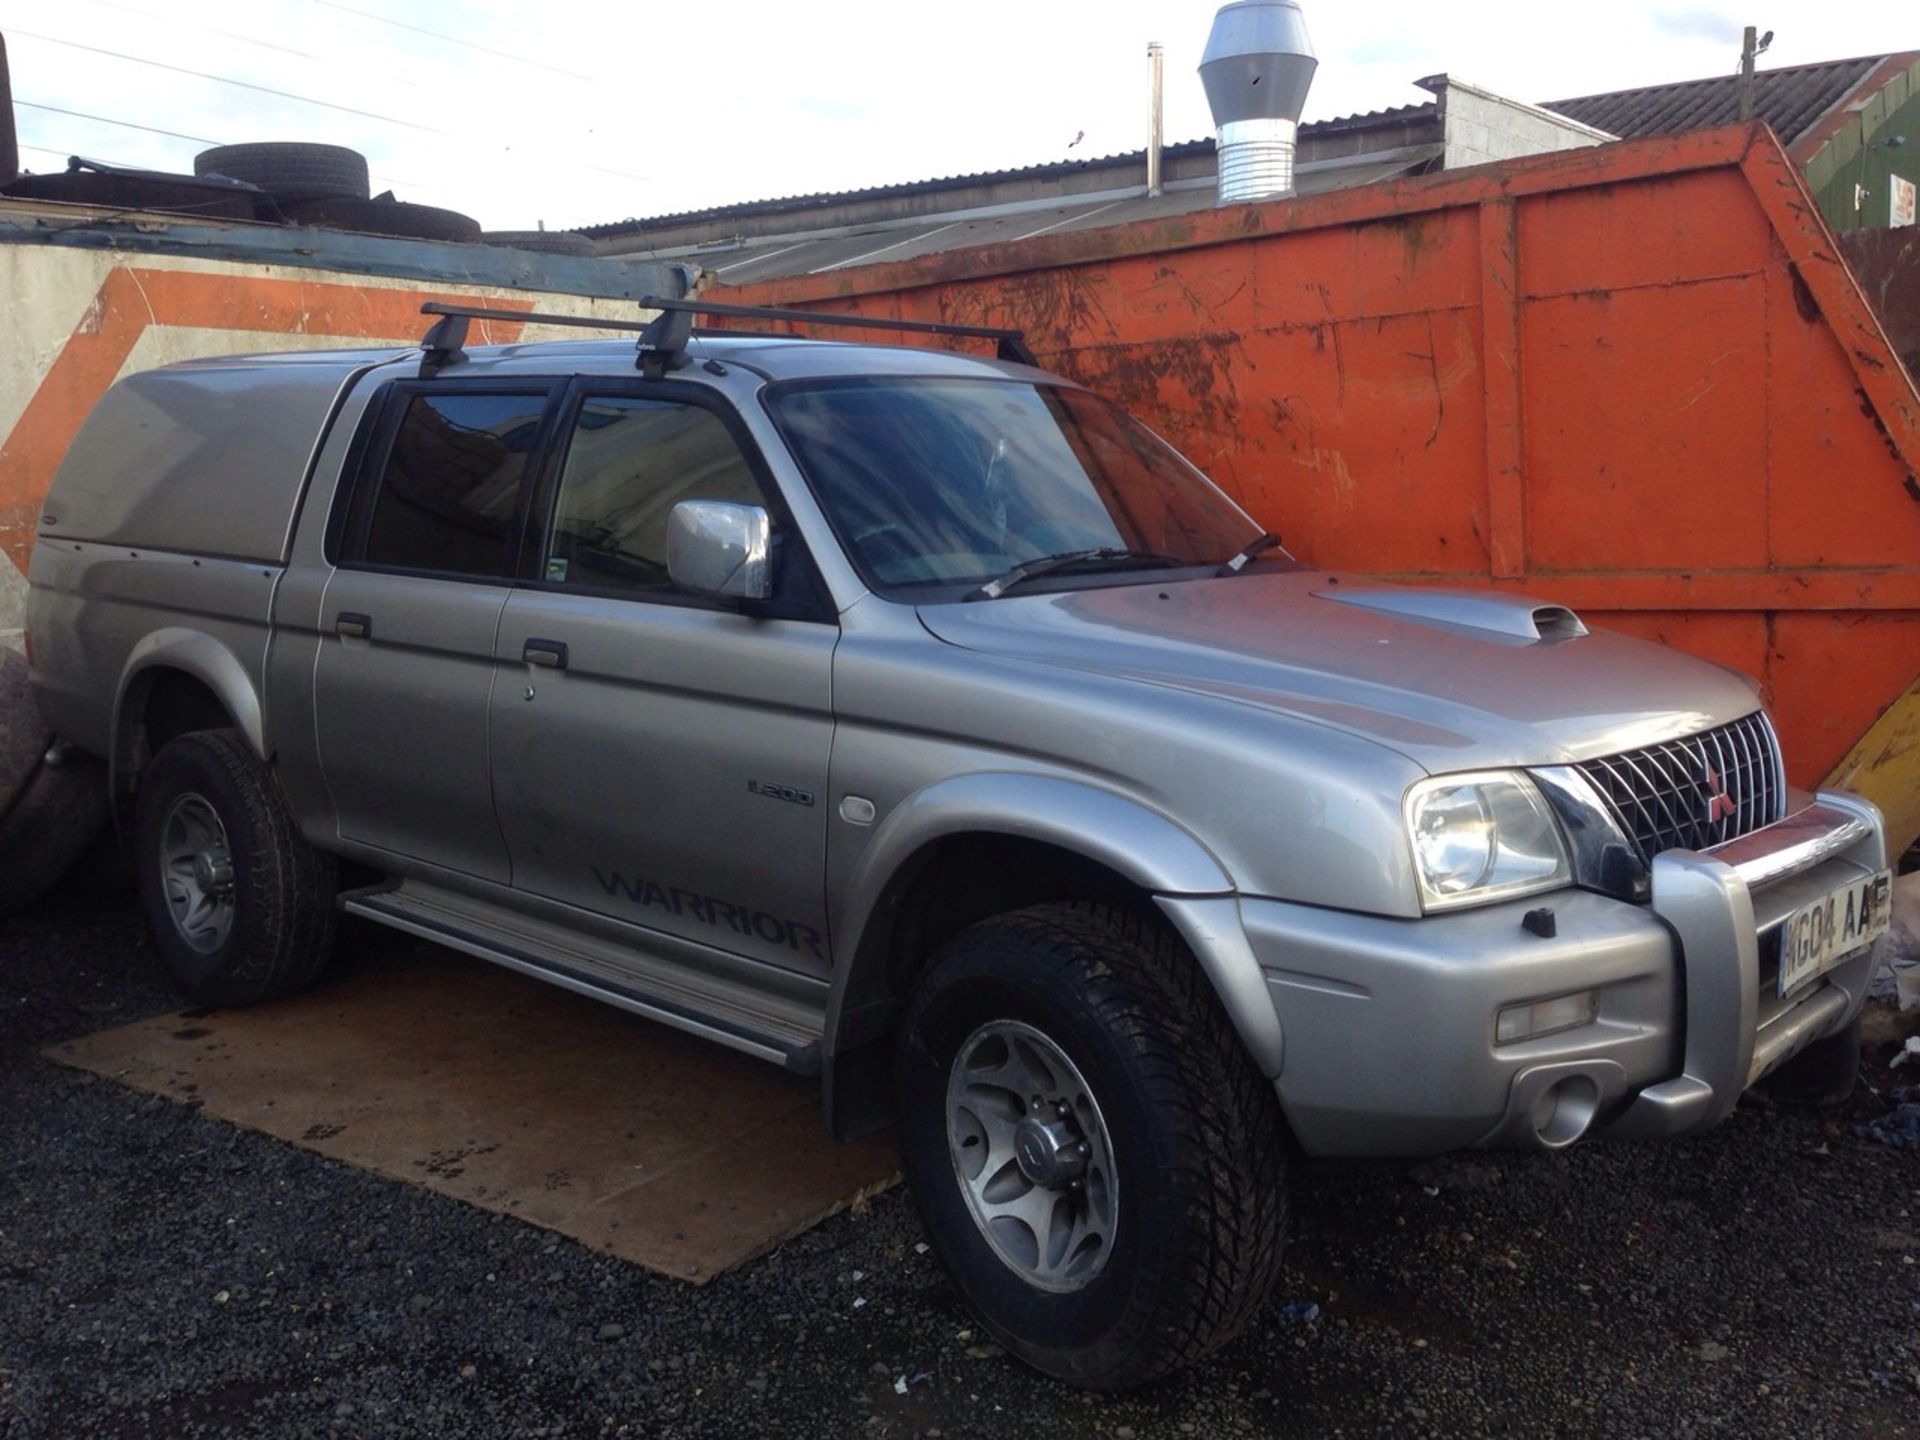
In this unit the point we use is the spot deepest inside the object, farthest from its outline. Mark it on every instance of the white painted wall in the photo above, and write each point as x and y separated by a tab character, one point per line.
1480	126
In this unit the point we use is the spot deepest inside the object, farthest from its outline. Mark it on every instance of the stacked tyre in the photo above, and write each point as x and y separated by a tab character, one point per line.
53	802
328	186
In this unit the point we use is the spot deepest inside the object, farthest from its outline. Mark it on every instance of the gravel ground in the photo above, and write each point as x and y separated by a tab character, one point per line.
162	1274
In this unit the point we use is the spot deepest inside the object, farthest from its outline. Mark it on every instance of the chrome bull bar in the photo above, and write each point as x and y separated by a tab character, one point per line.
1721	905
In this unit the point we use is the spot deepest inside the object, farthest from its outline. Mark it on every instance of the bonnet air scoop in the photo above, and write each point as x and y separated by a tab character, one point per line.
1515	616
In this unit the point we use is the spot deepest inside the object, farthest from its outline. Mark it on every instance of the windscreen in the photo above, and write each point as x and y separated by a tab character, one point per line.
933	481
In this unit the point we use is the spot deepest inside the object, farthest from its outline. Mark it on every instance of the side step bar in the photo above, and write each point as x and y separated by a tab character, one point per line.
381	906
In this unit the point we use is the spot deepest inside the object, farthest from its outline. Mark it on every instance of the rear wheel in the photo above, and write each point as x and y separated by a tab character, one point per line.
1097	1162
238	905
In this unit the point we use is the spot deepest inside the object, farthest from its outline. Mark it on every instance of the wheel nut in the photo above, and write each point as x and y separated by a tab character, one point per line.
1062	1109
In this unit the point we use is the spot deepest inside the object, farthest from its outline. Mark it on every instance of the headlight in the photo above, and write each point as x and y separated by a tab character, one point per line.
1481	837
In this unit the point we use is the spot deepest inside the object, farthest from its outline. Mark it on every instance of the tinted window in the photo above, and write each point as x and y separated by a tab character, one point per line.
449	496
630	462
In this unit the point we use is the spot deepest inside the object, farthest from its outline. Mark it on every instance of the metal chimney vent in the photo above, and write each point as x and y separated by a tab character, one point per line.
1256	70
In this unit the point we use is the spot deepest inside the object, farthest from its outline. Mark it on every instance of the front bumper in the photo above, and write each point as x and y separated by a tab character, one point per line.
1388	1025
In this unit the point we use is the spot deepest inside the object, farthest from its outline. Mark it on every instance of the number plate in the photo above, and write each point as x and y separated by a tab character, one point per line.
1817	936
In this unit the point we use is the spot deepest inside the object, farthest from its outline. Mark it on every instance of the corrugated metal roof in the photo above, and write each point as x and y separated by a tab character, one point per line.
1048	170
742	261
820	199
1789	99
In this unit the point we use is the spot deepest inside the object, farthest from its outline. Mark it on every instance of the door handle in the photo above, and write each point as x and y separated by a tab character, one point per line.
550	653
349	622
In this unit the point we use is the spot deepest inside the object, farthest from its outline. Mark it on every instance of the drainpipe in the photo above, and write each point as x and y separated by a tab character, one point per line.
1256	70
1155	55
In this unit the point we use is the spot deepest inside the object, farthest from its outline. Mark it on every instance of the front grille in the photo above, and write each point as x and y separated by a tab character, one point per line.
1694	793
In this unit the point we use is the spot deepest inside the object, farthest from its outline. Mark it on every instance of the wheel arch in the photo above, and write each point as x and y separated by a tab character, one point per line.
198	679
982	844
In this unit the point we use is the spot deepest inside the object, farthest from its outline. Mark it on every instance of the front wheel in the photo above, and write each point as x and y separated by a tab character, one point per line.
238	904
1097	1162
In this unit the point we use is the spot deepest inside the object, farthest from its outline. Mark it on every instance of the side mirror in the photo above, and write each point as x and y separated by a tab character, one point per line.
715	547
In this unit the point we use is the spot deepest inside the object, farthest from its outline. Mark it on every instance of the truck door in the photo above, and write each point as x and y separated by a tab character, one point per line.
660	757
431	538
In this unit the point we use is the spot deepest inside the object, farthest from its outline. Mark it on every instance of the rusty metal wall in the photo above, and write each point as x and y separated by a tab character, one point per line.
1637	378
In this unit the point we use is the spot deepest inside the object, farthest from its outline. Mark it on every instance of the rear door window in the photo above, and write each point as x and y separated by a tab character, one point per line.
450	495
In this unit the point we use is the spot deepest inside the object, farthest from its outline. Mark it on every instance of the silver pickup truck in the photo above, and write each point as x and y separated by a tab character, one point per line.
919	721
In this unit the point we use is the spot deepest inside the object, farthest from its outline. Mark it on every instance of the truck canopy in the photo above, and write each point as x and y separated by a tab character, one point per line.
208	457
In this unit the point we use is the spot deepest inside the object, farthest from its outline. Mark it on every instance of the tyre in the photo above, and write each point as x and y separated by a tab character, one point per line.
24	737
52	822
164	194
1824	1073
396	218
290	171
1097	1162
238	905
542	242
53	804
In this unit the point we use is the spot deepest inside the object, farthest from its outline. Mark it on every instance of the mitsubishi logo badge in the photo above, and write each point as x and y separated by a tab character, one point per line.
1720	805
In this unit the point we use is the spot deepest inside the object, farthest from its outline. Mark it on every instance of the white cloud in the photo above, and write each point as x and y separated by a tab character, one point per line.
580	111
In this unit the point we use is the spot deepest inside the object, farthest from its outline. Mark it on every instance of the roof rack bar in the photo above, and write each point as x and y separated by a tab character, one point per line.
1012	343
823	317
662	347
661	339
537	317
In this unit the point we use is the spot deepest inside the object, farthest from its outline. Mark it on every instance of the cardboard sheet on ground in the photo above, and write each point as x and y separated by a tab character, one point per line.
518	1097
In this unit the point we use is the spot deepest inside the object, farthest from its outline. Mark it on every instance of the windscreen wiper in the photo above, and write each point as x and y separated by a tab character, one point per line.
1044	564
1246	554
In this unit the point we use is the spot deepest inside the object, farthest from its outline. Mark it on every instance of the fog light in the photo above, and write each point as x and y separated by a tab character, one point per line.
1544	1017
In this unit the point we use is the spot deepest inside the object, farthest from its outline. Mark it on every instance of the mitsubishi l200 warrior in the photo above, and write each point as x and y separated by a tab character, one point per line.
919	721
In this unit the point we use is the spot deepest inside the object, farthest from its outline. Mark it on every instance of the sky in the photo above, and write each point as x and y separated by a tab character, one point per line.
578	112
